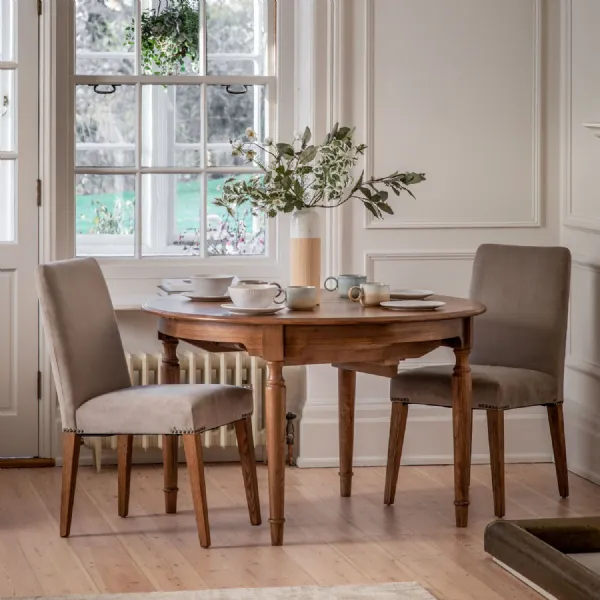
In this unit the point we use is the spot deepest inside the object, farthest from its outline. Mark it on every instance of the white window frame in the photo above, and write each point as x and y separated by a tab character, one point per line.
280	86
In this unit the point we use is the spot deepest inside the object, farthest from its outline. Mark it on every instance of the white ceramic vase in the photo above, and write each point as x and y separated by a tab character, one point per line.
305	249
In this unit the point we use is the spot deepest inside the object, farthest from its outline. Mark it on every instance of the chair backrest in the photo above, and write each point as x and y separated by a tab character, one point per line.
526	292
85	346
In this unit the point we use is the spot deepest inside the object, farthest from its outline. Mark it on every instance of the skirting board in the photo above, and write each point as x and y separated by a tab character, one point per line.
428	436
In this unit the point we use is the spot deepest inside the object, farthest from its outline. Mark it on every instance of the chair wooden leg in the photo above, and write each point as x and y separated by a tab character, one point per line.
124	452
396	441
192	444
245	440
495	423
71	448
557	432
170	447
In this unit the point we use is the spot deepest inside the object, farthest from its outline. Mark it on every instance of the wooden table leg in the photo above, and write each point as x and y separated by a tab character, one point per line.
462	422
170	443
346	402
275	426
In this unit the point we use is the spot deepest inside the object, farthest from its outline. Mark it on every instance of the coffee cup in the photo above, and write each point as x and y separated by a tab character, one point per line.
256	295
370	294
343	283
301	297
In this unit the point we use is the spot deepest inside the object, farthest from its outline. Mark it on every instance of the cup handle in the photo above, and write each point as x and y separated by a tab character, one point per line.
351	294
333	288
281	292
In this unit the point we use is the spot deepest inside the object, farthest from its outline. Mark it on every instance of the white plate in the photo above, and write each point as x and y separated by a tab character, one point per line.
413	304
411	294
238	310
195	298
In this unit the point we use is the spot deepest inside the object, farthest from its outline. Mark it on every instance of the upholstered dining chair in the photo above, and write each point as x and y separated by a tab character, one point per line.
96	397
517	359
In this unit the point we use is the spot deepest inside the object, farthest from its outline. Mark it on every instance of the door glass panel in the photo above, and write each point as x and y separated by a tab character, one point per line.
105	125
174	201
172	126
105	38
7	200
242	233
235	29
7	111
229	115
7	30
105	219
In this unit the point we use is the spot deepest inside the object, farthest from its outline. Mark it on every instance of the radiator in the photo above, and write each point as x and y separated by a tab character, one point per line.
197	366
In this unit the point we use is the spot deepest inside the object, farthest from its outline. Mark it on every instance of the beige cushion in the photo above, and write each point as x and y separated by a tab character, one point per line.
82	334
164	409
499	388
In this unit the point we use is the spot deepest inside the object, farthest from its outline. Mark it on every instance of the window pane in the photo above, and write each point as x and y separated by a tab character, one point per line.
170	37
105	219
105	126
225	235
171	126
7	111
234	28
7	201
171	212
7	29
105	40
229	115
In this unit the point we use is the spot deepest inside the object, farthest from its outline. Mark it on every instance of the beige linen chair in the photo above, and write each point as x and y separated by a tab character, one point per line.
96	396
517	360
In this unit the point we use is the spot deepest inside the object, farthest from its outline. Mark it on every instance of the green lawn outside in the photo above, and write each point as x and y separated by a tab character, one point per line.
187	207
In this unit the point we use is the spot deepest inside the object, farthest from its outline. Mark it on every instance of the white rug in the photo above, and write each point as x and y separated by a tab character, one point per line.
386	591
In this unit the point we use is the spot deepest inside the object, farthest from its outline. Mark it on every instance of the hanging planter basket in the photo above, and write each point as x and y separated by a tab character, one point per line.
169	38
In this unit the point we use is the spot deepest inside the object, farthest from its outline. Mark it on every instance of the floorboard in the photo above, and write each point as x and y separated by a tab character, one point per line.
328	540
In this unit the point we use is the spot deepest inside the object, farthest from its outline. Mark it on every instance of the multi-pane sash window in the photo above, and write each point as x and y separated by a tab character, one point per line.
161	86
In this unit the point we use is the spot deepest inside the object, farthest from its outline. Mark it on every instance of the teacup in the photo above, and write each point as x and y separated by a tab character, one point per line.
343	283
370	294
256	295
211	285
301	297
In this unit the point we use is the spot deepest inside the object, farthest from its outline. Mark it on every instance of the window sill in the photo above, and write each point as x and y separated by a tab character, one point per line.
131	302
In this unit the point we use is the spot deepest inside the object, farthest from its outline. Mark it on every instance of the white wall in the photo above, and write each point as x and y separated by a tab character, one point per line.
581	231
468	92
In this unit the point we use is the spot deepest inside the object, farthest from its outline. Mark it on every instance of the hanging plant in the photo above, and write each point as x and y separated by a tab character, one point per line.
169	37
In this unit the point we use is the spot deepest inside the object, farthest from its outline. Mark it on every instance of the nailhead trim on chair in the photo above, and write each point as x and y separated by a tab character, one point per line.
176	431
405	400
73	431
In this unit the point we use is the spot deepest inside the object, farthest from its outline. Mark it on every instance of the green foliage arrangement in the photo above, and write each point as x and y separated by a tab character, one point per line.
299	175
169	37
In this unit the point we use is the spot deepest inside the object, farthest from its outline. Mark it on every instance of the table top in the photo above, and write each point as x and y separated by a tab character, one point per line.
332	311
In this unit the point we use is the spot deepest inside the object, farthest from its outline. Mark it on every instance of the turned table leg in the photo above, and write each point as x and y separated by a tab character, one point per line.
462	422
170	374
346	401
275	426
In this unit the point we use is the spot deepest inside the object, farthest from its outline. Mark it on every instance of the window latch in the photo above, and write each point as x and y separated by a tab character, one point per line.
106	90
238	92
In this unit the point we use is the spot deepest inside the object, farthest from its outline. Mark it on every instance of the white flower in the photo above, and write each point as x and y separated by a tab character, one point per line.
236	152
297	135
250	155
250	133
268	142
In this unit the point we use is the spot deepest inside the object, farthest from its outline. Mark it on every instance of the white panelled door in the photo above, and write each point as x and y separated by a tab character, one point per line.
18	227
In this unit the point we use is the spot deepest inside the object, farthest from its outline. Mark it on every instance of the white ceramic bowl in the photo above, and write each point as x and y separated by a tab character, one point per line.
259	295
211	285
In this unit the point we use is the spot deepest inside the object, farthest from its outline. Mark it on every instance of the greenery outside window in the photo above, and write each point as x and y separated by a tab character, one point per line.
161	87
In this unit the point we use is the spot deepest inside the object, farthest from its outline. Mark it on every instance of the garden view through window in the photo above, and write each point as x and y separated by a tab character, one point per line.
161	88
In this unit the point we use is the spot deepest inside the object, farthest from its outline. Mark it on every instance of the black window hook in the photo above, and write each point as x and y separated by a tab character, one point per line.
106	92
236	92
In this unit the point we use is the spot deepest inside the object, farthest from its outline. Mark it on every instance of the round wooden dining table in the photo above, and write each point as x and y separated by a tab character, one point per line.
338	332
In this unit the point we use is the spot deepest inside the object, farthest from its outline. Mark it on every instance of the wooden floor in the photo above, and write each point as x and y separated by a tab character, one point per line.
328	539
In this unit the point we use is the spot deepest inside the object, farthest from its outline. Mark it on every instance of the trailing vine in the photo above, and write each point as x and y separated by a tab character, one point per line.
170	37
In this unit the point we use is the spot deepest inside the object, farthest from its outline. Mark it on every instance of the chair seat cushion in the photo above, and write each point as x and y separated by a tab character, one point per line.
164	409
498	388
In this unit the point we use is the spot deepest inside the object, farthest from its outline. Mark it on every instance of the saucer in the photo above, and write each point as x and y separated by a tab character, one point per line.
412	304
411	294
193	296
238	310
